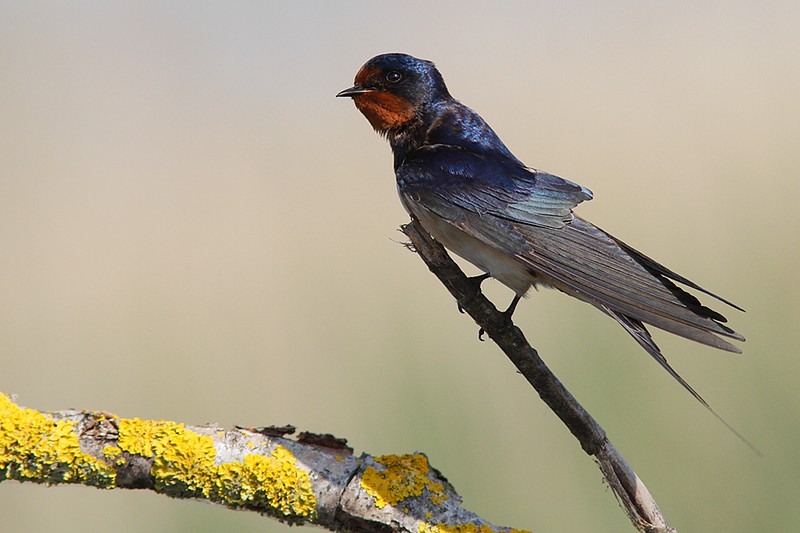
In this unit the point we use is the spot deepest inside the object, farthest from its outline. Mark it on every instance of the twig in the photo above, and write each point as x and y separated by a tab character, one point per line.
631	493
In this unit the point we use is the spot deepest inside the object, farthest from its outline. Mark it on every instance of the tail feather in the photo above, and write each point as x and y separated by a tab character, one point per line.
657	269
588	263
638	331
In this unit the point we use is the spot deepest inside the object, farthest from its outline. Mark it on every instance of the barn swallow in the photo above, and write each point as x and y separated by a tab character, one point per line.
515	223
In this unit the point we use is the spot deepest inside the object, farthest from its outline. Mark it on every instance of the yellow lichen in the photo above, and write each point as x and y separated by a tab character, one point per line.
146	437
184	463
463	528
405	476
274	479
437	492
34	447
112	453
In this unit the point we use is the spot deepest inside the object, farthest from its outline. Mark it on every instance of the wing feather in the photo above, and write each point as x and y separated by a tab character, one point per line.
528	214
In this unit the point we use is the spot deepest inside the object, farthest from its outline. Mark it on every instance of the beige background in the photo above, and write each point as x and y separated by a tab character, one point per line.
193	228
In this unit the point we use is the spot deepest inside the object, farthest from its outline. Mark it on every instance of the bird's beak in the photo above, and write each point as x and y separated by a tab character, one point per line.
355	91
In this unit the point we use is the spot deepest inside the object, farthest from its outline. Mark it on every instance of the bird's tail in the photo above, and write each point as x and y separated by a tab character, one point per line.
638	331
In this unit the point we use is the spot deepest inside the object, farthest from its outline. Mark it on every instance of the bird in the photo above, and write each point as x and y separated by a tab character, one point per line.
514	222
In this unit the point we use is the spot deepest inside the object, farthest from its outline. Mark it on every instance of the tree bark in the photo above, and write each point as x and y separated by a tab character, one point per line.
310	479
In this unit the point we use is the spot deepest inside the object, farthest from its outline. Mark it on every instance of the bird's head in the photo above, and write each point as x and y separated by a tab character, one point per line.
391	90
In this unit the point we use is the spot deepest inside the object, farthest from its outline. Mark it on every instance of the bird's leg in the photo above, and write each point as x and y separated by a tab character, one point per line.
476	282
512	307
507	313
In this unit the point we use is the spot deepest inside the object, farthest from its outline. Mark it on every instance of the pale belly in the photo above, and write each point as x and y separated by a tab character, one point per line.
506	268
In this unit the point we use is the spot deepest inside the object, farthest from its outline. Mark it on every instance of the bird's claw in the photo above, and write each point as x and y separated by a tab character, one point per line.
507	314
512	306
476	282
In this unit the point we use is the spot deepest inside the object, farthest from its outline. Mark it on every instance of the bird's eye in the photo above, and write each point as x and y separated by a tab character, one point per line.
393	76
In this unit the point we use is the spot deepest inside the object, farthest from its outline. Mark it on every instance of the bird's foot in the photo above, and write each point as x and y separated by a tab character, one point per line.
476	282
507	314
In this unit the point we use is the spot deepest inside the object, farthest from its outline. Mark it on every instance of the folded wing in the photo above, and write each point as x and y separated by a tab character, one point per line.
528	214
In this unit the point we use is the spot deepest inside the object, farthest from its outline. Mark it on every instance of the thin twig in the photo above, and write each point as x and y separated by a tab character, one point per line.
631	493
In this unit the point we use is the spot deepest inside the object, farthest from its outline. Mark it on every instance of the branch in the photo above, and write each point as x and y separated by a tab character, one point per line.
311	479
631	493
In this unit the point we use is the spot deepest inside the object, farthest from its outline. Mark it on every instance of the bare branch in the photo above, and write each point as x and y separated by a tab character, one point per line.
631	493
312	479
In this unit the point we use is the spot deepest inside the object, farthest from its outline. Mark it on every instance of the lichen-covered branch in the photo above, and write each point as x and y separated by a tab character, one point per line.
310	479
632	494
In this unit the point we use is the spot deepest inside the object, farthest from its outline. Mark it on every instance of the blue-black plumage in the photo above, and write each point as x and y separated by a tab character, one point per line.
515	223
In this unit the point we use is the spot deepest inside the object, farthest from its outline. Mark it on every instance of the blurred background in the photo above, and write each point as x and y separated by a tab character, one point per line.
193	228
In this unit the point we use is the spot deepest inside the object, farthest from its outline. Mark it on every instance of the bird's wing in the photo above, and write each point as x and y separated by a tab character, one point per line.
530	218
489	186
597	267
